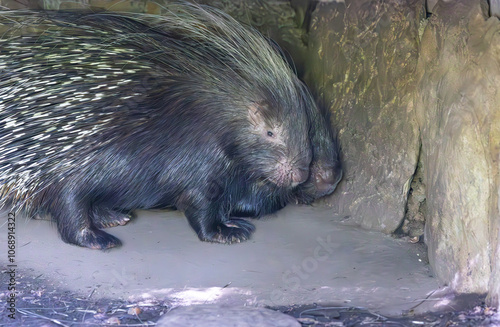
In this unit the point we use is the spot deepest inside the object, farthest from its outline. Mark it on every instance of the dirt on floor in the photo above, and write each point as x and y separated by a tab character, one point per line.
40	304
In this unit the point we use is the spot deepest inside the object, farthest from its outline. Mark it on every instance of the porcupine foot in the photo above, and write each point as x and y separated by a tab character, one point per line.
105	218
94	238
211	224
76	226
232	231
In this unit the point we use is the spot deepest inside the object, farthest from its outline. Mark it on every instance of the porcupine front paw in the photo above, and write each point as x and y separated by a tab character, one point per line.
231	231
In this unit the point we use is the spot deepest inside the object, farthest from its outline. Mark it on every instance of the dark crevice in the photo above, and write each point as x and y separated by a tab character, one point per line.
415	209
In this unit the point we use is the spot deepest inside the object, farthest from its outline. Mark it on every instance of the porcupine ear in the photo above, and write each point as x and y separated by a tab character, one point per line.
255	115
258	115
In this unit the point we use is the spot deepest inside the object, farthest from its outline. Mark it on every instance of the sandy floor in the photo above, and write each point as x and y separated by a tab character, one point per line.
300	256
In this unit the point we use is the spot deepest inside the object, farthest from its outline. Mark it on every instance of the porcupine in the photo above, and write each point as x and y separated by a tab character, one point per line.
106	113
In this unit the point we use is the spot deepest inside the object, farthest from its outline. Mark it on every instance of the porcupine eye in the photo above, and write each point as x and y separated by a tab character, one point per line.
270	134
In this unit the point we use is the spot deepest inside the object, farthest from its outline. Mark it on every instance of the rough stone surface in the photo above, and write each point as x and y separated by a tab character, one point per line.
362	62
430	4
225	316
457	110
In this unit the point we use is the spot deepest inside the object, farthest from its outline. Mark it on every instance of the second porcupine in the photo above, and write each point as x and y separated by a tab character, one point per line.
84	141
326	167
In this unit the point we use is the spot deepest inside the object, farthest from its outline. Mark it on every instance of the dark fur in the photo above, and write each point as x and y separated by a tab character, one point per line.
326	165
177	134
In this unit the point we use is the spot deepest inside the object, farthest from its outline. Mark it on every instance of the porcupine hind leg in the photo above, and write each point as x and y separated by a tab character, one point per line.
104	218
76	227
211	225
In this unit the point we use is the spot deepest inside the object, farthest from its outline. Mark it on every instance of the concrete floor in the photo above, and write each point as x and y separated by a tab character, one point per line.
300	256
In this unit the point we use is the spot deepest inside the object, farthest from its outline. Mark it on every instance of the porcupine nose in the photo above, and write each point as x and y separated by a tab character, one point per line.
326	179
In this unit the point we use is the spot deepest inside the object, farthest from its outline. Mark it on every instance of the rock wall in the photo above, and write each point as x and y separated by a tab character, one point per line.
364	66
362	61
459	118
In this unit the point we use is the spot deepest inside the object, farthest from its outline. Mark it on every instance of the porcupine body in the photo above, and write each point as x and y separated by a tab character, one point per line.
101	114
